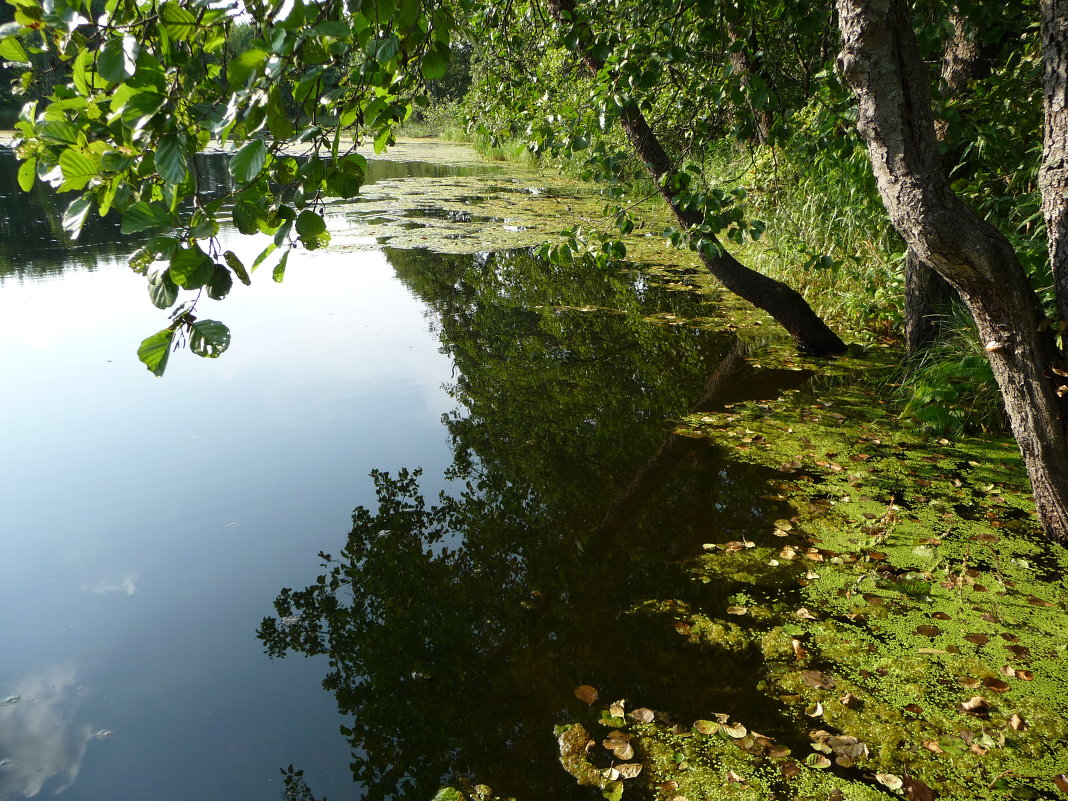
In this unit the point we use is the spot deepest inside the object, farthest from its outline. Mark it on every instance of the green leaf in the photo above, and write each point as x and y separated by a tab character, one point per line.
74	216
60	133
172	159
433	66
141	216
278	121
209	338
118	60
267	251
311	229
179	22
247	216
141	108
155	349
162	291
240	69
247	163
280	268
220	284
27	173
191	268
11	49
235	264
78	169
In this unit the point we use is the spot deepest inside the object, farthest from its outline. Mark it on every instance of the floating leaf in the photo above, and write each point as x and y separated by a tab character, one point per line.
630	770
706	726
735	730
814	710
587	694
737	610
851	701
1036	601
817	680
777	751
624	752
1017	723
933	747
799	649
804	614
784	525
975	705
996	684
977	639
616	710
735	778
643	715
817	761
970	682
1026	675
890	781
1061	782
928	631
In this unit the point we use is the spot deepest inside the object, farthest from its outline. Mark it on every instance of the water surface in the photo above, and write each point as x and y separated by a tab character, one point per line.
150	524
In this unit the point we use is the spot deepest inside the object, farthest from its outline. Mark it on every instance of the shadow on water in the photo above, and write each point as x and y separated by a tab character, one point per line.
457	630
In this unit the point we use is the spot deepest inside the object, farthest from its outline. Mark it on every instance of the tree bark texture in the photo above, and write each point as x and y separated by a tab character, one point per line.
786	305
1053	175
928	297
881	62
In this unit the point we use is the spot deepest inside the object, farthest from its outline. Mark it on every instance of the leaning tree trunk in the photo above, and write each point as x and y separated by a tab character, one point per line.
881	62
1053	177
780	301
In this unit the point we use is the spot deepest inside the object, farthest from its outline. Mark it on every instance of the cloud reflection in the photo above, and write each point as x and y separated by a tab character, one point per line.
128	585
39	743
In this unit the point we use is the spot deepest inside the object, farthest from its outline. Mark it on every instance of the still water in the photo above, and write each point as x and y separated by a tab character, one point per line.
148	526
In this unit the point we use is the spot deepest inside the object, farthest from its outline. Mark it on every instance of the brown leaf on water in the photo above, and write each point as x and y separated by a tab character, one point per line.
875	600
941	616
1026	675
928	631
777	751
914	709
970	682
799	649
735	778
587	694
630	770
616	710
976	705
791	770
915	790
996	684
1019	651
851	701
615	739
733	545
643	715
1034	600
1007	670
624	752
784	525
977	639
933	747
1060	781
817	680
1017	723
843	761
706	726
804	614
890	781
668	787
737	610
814	710
735	730
1009	637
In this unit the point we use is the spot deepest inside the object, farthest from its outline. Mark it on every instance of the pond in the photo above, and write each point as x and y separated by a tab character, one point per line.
150	524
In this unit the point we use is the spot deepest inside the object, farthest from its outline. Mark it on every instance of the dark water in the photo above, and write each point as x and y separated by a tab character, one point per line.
150	524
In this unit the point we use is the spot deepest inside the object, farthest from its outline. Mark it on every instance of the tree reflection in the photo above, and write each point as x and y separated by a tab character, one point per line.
457	630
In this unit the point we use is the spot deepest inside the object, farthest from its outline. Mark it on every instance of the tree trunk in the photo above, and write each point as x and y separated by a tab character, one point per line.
881	62
780	301
1053	176
928	297
743	66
